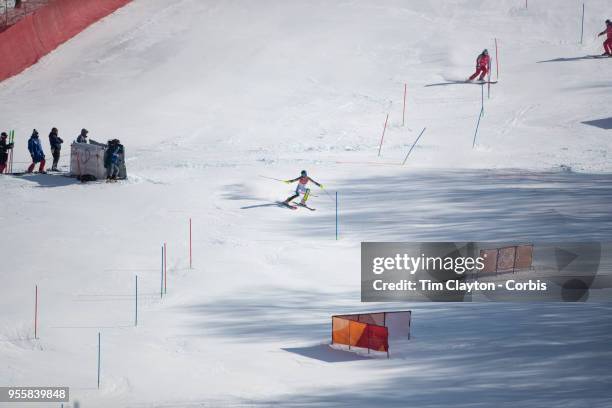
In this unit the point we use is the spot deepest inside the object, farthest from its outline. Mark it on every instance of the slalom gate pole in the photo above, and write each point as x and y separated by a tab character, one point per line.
414	144
190	250
136	304
477	125
165	269
36	313
336	215
161	286
10	161
489	84
404	108
582	26
496	62
98	360
383	135
526	4
482	98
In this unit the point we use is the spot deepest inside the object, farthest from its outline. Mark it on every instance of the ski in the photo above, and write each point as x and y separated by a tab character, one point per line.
305	206
286	205
462	82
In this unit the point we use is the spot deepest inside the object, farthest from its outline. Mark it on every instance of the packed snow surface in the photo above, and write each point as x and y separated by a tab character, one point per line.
207	96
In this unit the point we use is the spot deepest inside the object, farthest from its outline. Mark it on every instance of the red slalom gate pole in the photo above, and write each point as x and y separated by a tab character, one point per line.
36	313
496	61
383	135
190	248
165	269
404	108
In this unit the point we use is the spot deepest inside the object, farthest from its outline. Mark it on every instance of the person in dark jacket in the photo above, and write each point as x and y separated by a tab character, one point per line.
37	153
4	148
112	159
82	138
56	147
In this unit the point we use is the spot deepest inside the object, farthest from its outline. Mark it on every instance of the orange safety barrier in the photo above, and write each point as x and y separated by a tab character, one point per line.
370	331
37	34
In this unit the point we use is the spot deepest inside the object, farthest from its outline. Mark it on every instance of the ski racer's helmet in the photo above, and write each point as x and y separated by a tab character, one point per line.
303	173
84	131
608	22
54	130
34	132
3	135
486	52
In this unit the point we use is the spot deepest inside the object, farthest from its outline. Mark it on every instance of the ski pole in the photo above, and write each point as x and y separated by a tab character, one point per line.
326	192
271	178
414	144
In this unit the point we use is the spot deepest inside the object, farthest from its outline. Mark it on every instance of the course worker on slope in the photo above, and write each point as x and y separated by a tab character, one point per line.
483	64
608	43
112	159
4	148
56	147
37	153
82	138
301	188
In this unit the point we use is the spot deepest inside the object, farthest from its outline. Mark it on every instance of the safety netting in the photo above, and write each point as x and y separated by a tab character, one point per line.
38	33
371	331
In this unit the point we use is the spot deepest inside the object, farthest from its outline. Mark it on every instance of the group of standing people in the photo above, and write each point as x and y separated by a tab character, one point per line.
111	158
38	154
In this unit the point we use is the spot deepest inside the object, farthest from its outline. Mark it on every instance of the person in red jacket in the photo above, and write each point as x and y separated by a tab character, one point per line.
483	63
608	43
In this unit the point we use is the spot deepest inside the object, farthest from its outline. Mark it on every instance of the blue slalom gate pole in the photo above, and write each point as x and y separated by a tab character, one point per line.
414	144
582	26
98	360
136	304
477	125
336	215
161	289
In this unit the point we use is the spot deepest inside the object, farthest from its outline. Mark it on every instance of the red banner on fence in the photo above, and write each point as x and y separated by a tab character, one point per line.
39	33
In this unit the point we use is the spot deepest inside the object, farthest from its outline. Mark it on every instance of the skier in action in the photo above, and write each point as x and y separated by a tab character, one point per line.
608	43
37	153
56	147
4	148
483	64
301	188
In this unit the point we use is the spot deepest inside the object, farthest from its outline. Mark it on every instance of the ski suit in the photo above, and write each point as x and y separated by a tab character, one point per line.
4	148
301	188
37	153
608	43
482	67
56	147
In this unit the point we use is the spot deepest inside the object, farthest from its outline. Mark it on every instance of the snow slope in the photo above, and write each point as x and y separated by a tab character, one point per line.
207	96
